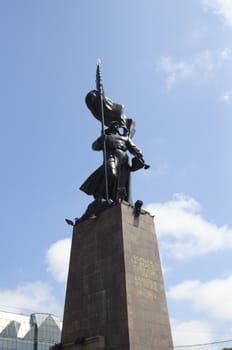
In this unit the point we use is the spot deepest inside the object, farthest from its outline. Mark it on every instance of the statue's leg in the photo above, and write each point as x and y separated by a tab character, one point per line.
112	172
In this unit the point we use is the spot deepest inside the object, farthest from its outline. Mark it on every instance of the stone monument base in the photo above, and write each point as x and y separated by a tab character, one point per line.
92	343
115	296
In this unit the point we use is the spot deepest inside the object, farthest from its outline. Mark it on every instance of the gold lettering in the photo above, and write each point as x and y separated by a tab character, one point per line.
145	283
146	294
144	266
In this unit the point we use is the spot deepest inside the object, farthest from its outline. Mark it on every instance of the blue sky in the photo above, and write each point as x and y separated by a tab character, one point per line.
169	62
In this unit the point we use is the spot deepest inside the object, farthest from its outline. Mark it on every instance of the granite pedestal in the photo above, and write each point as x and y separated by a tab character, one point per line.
115	296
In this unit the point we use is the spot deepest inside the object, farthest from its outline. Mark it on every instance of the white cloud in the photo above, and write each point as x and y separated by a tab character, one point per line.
191	332
38	296
222	8
213	297
199	33
183	232
176	71
30	296
58	259
200	68
226	97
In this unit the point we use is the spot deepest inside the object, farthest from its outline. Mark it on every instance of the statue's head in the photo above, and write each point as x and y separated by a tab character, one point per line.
117	127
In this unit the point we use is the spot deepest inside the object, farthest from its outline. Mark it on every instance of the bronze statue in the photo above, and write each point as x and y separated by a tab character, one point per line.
118	168
111	181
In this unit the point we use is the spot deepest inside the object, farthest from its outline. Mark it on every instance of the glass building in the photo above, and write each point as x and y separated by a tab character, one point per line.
35	332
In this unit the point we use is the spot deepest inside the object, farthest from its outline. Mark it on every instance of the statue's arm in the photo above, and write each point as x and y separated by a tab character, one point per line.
133	149
98	144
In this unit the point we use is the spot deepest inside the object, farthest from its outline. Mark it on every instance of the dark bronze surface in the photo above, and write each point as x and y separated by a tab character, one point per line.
118	168
111	181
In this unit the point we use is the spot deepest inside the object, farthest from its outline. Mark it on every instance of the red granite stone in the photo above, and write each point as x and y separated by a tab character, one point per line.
115	286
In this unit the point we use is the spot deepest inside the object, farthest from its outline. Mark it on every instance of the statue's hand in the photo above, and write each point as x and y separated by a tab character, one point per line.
98	144
146	166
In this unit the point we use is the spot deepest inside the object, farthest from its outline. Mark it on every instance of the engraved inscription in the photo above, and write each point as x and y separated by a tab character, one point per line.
145	267
145	287
145	273
145	283
149	294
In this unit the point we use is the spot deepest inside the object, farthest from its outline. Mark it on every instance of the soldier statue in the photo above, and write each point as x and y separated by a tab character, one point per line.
110	183
118	168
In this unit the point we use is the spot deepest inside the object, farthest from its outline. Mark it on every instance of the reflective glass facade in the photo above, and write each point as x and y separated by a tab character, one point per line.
34	332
